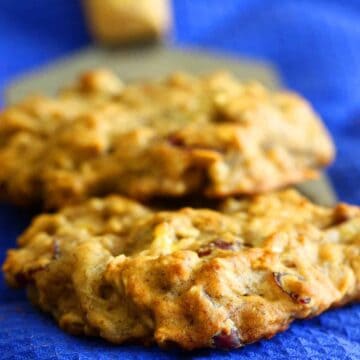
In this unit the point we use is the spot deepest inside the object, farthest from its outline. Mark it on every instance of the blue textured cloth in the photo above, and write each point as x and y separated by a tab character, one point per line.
315	45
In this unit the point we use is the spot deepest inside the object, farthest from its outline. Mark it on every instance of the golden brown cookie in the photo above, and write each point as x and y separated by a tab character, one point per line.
195	278
210	135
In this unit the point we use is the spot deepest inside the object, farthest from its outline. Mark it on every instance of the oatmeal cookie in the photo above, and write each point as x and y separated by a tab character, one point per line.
210	135
195	278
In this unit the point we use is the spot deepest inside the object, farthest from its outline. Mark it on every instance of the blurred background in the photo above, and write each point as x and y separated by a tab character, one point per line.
314	44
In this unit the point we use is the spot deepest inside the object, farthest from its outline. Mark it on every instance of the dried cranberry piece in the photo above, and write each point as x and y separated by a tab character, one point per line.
218	243
204	251
225	341
175	140
304	300
296	297
221	244
56	250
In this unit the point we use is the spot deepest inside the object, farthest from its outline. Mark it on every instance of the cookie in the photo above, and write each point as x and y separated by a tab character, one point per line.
209	135
194	278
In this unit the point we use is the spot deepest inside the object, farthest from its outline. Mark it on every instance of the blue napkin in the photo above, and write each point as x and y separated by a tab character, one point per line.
315	45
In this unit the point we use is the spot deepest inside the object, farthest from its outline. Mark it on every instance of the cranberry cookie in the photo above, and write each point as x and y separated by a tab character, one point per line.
210	135
195	278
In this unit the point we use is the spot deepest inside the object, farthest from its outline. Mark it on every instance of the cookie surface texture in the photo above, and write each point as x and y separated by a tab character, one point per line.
173	137
196	278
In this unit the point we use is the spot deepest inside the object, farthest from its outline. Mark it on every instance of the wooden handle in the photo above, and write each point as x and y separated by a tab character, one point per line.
127	21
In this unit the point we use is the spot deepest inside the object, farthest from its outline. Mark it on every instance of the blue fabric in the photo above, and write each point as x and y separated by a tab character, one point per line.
315	45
